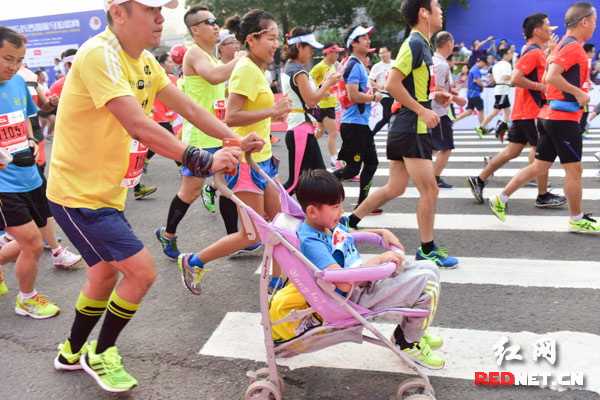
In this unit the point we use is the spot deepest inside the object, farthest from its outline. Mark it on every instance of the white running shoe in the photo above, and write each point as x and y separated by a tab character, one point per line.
64	258
4	239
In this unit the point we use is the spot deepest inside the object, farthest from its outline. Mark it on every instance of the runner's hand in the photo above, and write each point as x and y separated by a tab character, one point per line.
227	158
282	107
582	98
378	97
34	149
333	79
391	240
430	118
53	100
2	166
253	143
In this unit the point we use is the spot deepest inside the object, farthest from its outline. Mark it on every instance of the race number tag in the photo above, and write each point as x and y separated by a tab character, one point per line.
339	237
137	157
13	131
432	82
220	109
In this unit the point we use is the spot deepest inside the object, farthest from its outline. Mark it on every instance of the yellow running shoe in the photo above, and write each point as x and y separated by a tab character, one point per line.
106	368
3	288
37	307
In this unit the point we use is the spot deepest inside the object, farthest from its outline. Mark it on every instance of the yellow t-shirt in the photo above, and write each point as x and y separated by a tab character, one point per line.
248	80
90	153
319	73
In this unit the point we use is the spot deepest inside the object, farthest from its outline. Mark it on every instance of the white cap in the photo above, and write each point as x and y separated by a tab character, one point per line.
308	39
359	31
149	3
224	34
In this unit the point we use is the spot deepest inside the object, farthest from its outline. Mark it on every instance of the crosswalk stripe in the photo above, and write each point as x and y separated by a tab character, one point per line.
487	222
380	141
465	193
556	172
520	272
466	351
479	159
486	150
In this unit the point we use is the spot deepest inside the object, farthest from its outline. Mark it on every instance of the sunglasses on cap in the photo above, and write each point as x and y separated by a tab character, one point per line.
207	21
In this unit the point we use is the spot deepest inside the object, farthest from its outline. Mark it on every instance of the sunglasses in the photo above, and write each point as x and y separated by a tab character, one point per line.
207	21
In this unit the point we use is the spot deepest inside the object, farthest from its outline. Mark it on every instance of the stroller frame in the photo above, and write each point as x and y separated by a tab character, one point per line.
321	296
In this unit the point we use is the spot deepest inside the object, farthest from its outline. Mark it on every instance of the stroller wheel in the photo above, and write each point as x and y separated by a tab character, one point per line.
263	390
413	389
262	374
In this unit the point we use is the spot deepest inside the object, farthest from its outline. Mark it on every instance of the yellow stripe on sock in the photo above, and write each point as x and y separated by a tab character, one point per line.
90	307
121	308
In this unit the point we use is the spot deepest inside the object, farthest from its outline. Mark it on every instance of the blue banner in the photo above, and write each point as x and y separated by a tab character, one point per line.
48	36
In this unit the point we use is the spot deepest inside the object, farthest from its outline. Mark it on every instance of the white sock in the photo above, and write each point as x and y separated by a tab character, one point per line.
333	158
27	296
56	250
577	218
503	197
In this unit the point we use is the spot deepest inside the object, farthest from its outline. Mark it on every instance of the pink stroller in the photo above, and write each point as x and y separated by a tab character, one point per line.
343	321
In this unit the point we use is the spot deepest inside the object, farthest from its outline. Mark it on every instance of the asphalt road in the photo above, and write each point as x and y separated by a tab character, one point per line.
160	346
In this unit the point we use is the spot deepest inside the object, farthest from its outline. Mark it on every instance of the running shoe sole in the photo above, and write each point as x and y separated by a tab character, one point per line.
148	193
67	266
93	374
183	269
25	313
66	367
160	239
479	199
556	205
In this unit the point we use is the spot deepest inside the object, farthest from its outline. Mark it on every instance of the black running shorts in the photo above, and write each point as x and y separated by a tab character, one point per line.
559	138
524	131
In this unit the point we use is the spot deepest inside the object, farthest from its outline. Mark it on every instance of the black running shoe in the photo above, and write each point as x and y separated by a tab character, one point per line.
551	200
476	188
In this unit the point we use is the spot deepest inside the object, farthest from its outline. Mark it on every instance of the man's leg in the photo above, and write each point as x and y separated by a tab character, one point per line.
511	151
488	117
467	113
572	187
421	172
441	160
331	127
190	190
29	238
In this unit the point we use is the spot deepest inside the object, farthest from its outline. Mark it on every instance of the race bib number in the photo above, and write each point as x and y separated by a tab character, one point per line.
432	82
220	109
137	157
13	131
339	238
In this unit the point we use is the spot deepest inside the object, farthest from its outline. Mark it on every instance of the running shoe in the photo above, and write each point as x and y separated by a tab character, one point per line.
476	188
63	258
585	136
37	307
274	140
47	246
144	191
551	200
586	224
354	179
439	257
4	239
498	207
190	274
339	164
65	359
248	250
208	199
377	211
486	161
443	185
420	352
500	131
479	131
169	245
106	368
3	288
597	155
533	183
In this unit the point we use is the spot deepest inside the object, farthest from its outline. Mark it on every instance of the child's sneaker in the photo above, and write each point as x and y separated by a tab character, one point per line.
190	274
37	307
63	258
208	199
586	224
420	352
498	207
3	288
439	257
106	368
169	245
65	359
434	341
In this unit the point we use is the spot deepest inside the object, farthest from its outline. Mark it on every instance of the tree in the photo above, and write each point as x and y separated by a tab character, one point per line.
289	13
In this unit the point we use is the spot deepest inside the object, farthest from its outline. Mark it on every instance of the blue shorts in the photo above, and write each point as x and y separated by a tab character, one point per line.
98	235
248	180
188	173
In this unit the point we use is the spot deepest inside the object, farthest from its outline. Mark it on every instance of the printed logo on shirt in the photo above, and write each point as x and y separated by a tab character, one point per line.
140	84
147	70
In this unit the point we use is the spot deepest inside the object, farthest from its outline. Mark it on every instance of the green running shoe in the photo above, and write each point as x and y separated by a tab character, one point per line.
144	191
479	131
498	207
208	198
434	341
420	352
65	359
37	307
3	288
106	368
586	224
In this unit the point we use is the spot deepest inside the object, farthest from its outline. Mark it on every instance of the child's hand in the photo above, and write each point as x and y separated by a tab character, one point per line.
389	256
391	240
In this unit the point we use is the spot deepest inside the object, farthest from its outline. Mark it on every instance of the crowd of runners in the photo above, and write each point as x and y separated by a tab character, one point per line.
221	105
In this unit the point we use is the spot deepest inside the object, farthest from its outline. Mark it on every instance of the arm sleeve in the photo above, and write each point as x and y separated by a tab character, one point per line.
103	77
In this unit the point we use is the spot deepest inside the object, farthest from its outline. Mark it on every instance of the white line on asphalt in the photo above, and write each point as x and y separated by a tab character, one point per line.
479	159
466	351
555	172
465	193
490	150
486	222
380	141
